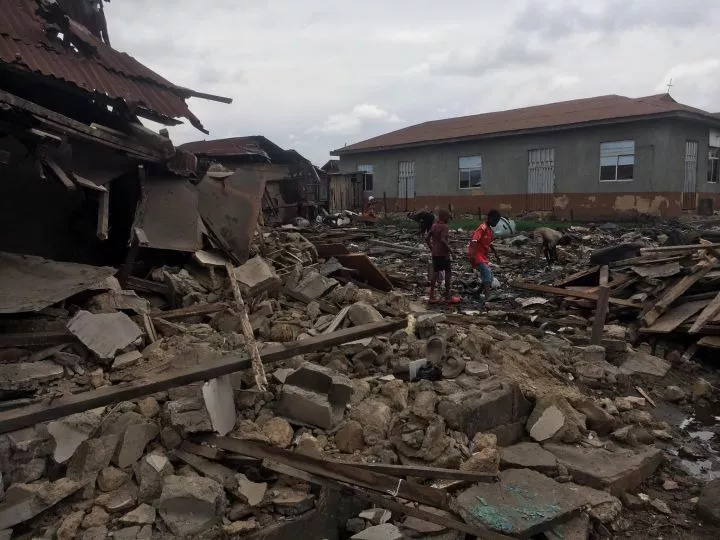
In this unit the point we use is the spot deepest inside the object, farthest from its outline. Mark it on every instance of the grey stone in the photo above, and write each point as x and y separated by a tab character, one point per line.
111	478
622	470
128	533
578	528
150	474
314	285
190	505
91	457
255	276
142	515
288	501
674	394
545	423
642	363
361	313
597	418
555	419
702	388
349	437
495	402
707	506
123	498
355	525
137	433
95	533
477	369
528	456
126	360
25	501
96	518
374	416
188	415
28	472
424	404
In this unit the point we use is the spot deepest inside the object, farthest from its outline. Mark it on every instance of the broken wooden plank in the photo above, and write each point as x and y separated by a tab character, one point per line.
710	312
677	290
710	342
326	251
335	471
601	311
57	171
674	318
36	339
644	394
657	271
572	294
337	321
446	519
192	311
144	285
604	276
157	382
635	261
247	330
325	307
103	217
427	472
369	272
690	247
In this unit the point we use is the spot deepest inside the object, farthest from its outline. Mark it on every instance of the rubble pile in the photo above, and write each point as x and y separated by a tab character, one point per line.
489	423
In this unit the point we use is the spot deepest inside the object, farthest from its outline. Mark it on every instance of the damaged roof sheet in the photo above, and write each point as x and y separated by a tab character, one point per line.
24	44
234	146
29	283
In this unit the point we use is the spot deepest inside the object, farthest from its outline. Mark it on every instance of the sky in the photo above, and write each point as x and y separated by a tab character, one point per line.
315	75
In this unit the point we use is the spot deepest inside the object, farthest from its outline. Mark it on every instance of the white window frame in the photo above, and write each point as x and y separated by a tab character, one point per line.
620	152
469	167
713	164
367	169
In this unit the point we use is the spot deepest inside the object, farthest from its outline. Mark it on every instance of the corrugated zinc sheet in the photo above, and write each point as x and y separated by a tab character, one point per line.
564	113
117	75
234	146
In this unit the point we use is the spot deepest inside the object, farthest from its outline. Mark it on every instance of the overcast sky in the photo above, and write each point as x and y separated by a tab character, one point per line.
317	74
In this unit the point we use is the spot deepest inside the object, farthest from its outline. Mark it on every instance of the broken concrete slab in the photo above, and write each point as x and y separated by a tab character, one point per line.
91	457
528	456
289	501
256	276
545	423
120	500
28	375
644	364
111	478
126	360
112	301
601	505
69	432
142	515
315	395
375	417
190	505
494	402
362	313
189	415
522	504
219	400
104	333
577	528
134	432
253	492
622	470
386	531
150	474
314	285
553	418
25	501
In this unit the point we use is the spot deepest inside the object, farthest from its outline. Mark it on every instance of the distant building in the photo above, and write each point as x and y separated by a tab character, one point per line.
602	157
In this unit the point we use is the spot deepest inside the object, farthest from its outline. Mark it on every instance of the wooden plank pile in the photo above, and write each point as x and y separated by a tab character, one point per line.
673	290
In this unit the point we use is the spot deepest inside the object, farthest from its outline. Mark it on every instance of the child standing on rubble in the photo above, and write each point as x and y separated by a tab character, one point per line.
438	240
479	248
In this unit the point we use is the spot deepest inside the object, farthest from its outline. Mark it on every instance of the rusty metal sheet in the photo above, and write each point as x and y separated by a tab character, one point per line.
170	216
230	206
29	283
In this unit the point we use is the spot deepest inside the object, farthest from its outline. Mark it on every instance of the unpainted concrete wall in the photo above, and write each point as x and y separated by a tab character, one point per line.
655	189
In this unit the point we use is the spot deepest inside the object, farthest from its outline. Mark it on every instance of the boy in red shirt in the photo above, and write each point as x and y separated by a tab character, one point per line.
438	242
480	245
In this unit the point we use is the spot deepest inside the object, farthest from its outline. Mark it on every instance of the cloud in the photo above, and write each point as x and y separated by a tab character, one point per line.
359	116
478	61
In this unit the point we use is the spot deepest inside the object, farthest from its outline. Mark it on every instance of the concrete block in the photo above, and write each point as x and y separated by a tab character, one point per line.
205	497
528	456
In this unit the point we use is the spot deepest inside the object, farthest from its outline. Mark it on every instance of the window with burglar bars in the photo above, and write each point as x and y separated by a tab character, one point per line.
617	161
368	175
713	172
470	172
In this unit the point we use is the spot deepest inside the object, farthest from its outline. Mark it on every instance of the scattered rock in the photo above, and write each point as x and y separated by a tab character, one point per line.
361	313
477	369
126	360
179	494
142	515
374	416
670	485
69	432
96	518
111	478
702	388
674	394
104	333
278	432
555	419
151	474
355	525
120	500
91	457
631	502
148	407
349	438
707	506
597	419
95	533
661	506
628	403
28	375
645	364
386	531
309	446
291	502
485	461
240	527
70	525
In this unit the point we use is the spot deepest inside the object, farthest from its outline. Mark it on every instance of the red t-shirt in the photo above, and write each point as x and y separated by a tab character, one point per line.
483	236
439	233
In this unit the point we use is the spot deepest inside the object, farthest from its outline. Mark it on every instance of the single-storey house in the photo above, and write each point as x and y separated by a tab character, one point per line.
608	156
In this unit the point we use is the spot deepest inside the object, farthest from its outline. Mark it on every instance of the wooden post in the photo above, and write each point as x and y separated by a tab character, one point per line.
601	310
257	366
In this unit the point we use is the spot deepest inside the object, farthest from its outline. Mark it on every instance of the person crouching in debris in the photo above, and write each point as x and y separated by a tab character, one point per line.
547	241
425	219
438	240
479	248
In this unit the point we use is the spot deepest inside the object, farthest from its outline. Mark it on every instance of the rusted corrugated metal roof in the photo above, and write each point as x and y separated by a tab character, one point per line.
24	44
562	114
232	147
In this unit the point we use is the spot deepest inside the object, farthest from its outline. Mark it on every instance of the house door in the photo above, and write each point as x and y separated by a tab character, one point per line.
406	183
689	194
541	179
